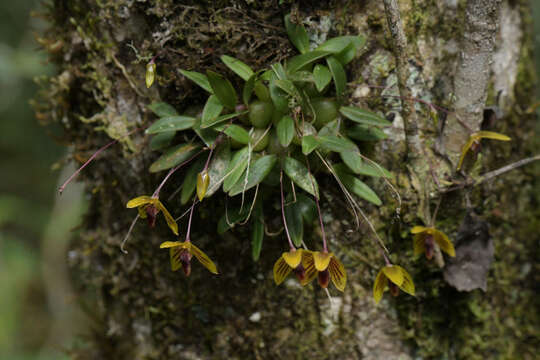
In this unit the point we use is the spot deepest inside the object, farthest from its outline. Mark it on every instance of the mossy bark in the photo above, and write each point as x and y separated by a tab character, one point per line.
145	311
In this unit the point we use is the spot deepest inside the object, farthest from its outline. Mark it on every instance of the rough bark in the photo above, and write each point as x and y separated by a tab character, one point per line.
144	311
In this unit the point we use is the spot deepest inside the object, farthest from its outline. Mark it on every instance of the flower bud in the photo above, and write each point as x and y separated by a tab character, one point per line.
150	73
203	179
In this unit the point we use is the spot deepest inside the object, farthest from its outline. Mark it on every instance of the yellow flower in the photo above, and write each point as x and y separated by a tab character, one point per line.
149	207
181	254
399	279
150	73
292	260
327	267
424	239
203	180
475	139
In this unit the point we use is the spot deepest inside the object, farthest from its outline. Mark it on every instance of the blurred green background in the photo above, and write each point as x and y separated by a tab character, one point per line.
38	311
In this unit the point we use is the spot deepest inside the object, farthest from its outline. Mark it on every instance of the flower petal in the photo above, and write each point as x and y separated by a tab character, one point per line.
141	200
419	244
490	135
418	229
170	220
464	150
309	266
408	284
394	274
170	244
322	259
203	259
174	254
292	257
444	243
142	212
281	270
338	275
379	286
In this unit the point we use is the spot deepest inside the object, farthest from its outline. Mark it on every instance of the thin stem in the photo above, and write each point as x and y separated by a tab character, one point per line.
325	248
283	211
188	233
172	171
128	233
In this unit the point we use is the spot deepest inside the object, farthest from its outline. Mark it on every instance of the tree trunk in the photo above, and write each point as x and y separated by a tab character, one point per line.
142	310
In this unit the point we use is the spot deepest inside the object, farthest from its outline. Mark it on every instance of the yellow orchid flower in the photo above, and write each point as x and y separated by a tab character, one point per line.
292	260
424	239
327	267
475	139
149	207
203	180
181	253
399	279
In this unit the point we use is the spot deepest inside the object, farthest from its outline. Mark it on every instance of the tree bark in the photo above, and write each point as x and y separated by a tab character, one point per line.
142	310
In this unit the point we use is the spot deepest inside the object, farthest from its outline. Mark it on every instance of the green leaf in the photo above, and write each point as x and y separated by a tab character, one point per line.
279	70
279	97
238	67
161	140
211	111
347	54
257	235
199	79
288	87
236	167
262	91
190	181
171	123
298	62
332	128
297	34
352	159
248	89
356	186
237	133
338	44
257	172
285	130
299	174
223	118
231	218
174	156
307	207
322	76
337	144
162	109
338	74
366	133
223	89
217	169
208	136
309	143
370	169
295	225
363	116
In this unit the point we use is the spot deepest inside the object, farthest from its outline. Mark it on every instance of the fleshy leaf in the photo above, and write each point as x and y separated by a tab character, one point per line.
285	130
322	260
356	186
174	156
378	287
370	169
362	116
211	111
394	273
257	234
171	123
161	140
236	167
237	133
337	144
140	200
238	67
223	89
162	109
353	160
199	79
281	270
338	74
322	76
278	96
297	34
338	44
257	172
298	173
309	143
298	62
366	133
295	225
217	169
338	275
249	86
223	118
288	87
190	181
